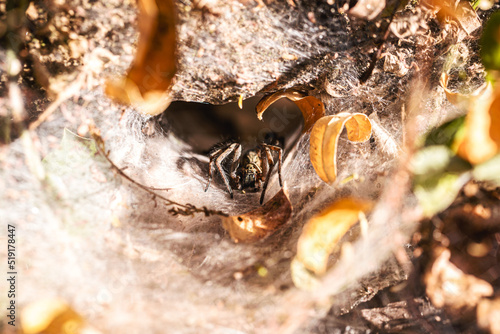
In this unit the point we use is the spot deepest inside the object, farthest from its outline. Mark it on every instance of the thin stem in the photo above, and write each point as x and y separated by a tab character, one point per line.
182	209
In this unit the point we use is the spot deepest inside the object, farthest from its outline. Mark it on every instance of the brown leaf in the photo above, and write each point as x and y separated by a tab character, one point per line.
147	83
312	109
51	316
458	99
322	232
261	222
324	139
449	287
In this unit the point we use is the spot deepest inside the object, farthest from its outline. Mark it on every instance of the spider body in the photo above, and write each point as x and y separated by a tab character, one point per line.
248	172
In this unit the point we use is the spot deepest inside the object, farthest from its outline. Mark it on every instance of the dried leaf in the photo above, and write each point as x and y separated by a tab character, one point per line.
52	316
459	11
324	139
148	80
261	222
449	287
458	99
312	109
367	9
322	232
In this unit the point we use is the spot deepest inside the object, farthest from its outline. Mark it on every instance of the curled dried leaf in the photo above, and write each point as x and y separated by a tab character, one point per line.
147	83
322	232
51	316
261	222
312	109
458	99
324	139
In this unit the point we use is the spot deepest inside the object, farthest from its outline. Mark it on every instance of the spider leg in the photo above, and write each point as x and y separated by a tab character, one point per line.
268	177
235	163
278	149
211	166
220	159
269	165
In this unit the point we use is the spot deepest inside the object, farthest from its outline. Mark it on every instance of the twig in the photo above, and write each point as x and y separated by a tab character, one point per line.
179	209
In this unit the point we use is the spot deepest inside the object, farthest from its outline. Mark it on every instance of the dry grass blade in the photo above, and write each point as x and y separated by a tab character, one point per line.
50	316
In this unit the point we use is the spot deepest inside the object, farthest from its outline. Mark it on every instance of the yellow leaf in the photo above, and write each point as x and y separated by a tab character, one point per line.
148	81
481	138
51	316
322	232
261	222
312	109
324	139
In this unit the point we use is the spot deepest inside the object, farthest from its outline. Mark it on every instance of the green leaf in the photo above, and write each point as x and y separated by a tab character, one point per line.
490	43
436	194
438	177
446	133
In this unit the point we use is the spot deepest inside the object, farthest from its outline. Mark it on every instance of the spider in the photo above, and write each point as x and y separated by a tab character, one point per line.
249	170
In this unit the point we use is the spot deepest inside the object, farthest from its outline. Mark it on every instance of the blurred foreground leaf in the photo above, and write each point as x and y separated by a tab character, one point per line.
261	222
322	233
446	134
148	81
480	140
324	138
488	171
438	177
50	316
490	43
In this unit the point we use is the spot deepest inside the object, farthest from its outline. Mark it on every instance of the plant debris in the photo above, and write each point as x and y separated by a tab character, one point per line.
260	223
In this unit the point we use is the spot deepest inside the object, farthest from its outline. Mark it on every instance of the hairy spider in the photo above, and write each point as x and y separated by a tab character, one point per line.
249	170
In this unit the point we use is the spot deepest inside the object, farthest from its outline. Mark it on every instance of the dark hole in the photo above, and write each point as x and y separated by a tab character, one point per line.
204	125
